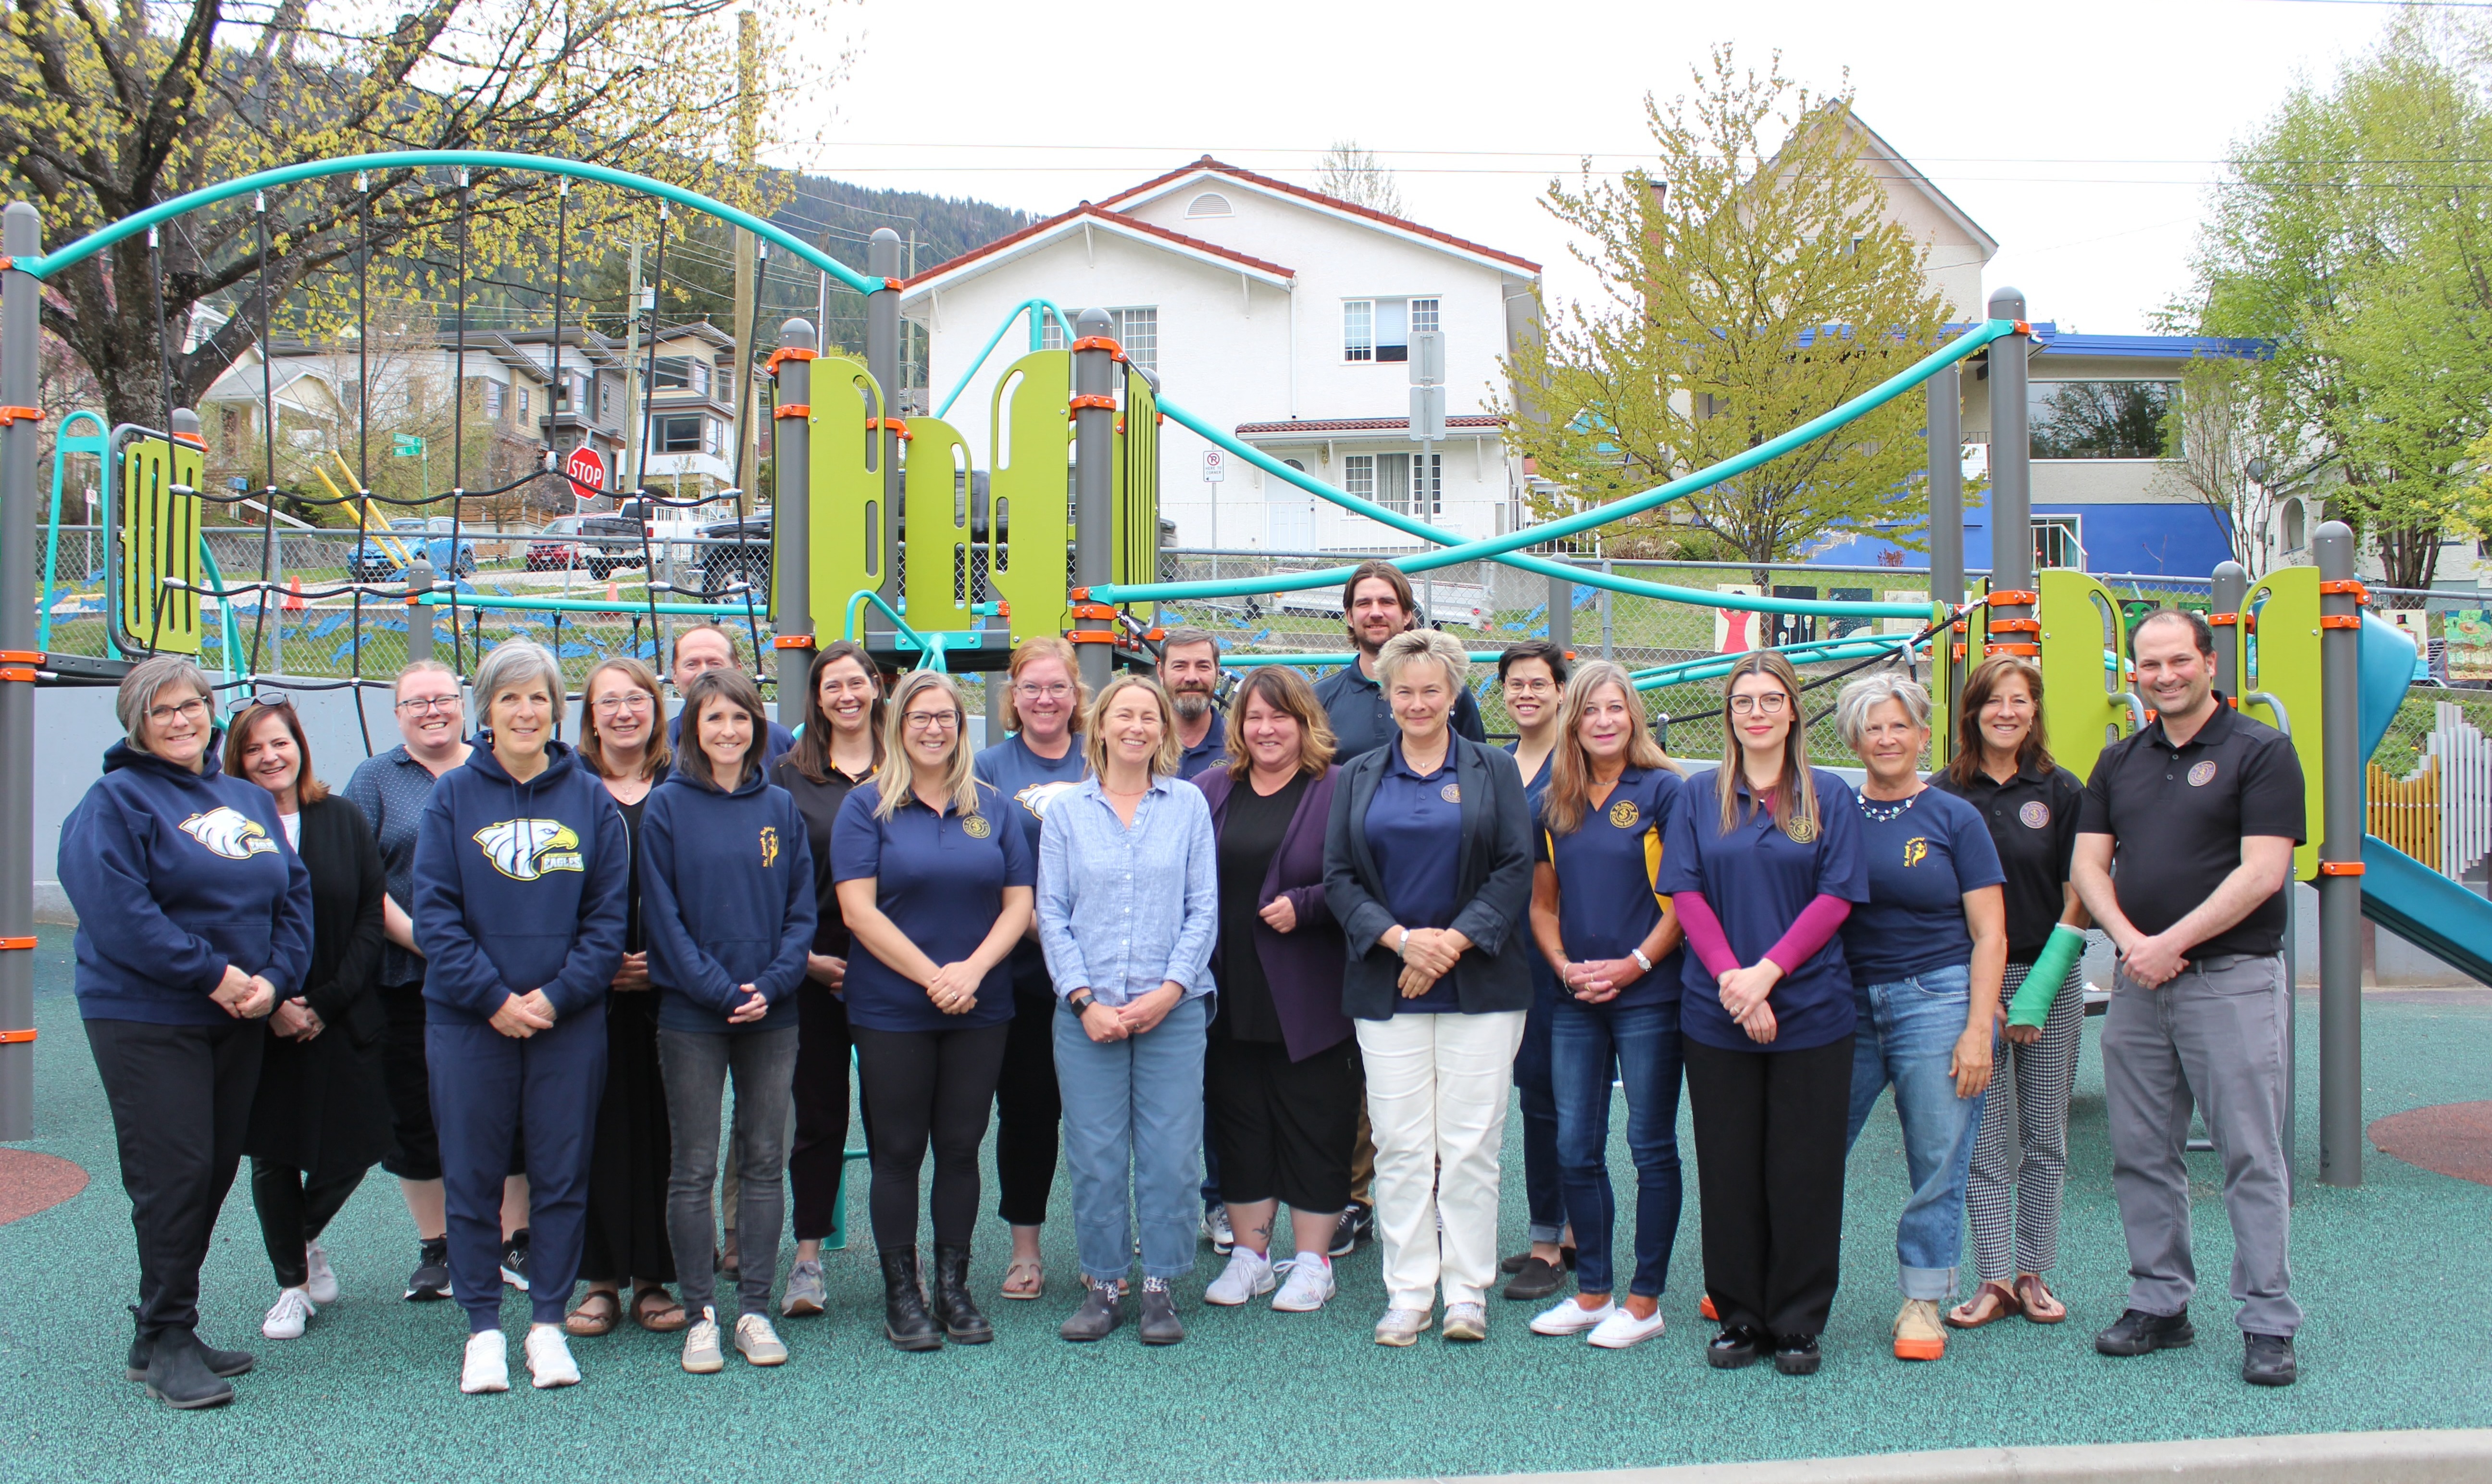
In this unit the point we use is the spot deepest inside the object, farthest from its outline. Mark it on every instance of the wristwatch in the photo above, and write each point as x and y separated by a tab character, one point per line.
1642	961
1081	1001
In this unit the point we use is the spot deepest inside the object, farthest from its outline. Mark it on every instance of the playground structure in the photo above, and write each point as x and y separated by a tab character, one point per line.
886	532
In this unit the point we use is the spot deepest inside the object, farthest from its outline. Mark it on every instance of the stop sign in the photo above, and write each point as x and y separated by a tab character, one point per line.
587	470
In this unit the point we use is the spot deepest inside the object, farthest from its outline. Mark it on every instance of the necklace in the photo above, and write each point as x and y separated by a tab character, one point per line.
1886	811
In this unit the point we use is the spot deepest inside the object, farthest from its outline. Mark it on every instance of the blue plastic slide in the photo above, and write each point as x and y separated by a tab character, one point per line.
2400	893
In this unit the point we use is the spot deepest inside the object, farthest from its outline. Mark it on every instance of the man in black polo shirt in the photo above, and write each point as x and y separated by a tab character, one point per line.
1376	605
2185	846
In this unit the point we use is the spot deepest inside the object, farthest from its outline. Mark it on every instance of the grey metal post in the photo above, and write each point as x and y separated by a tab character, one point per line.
2229	586
2340	857
419	618
1562	610
791	522
21	237
882	359
2011	478
1094	454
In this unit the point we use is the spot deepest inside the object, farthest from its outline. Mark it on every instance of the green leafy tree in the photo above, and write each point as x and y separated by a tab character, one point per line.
1765	289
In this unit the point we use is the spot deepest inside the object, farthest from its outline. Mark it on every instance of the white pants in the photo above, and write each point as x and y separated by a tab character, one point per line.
1437	1088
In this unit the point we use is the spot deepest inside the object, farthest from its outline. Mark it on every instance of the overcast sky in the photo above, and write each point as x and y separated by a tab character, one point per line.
2082	137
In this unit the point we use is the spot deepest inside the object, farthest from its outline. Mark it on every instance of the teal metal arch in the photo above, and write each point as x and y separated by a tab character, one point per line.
64	444
102	237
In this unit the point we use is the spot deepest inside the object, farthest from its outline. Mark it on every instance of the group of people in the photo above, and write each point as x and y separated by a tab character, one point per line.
1289	956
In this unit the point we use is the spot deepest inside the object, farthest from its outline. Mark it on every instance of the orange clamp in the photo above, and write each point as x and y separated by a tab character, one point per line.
792	409
2327	586
1099	342
2012	597
1091	636
770	367
792	642
2222	620
2340	620
17	672
21	657
17	1037
1099	610
899	427
191	439
2017	625
10	415
2028	650
17	943
1090	399
2340	868
891	282
1959	651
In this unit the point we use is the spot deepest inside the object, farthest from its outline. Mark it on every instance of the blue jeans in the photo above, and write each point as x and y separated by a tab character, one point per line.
1132	1136
1907	1036
1543	1194
1585	1042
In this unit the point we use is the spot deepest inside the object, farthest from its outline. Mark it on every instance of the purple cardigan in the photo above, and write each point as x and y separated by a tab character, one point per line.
1303	967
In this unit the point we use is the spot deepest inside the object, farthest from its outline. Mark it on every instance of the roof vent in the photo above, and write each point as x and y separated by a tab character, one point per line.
1211	204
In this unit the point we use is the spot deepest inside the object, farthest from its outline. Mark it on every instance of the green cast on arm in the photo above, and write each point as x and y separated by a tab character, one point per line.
2042	987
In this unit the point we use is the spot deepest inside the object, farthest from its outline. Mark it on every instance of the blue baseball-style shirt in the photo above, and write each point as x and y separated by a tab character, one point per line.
1757	878
1414	826
1920	865
940	879
1606	870
1029	785
1207	754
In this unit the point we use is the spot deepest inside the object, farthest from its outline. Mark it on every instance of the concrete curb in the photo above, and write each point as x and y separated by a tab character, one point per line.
2417	1457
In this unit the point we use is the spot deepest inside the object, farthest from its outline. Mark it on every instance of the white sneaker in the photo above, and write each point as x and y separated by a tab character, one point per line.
323	1281
1401	1326
757	1343
1248	1277
1623	1329
550	1361
1310	1285
1466	1322
487	1366
702	1356
1569	1318
287	1316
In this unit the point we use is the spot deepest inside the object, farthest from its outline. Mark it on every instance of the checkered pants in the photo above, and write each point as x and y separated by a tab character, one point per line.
2020	1158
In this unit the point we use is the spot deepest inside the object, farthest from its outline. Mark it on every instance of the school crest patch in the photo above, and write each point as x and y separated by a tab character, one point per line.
976	828
769	847
1916	851
2035	814
1624	814
1451	793
228	832
1801	831
2202	774
524	849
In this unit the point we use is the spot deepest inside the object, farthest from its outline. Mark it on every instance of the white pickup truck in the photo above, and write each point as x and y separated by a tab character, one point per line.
1466	603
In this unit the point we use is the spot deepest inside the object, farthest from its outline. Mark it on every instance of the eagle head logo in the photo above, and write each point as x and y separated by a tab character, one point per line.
228	832
769	846
1038	798
524	849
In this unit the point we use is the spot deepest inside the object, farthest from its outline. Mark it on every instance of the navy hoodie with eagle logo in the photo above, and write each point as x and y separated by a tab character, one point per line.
518	886
726	899
174	876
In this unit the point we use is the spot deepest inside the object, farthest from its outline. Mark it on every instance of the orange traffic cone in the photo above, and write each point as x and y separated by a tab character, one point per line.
611	594
294	603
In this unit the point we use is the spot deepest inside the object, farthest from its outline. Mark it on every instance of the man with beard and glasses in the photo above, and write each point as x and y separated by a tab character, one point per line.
1189	673
1376	603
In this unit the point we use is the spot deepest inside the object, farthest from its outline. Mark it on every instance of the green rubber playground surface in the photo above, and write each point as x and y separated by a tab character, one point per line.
2394	1275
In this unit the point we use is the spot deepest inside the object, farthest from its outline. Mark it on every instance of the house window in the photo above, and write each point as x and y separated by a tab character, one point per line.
1358	330
2101	419
1379	329
494	394
1359	475
680	435
2058	541
1211	204
1423	316
523	401
2295	526
1428	485
1137	329
713	435
683	373
606	398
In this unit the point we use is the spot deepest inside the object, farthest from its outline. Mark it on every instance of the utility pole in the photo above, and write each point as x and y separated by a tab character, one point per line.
631	380
747	128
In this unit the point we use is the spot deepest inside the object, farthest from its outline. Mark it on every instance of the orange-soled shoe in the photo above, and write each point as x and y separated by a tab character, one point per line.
1919	1336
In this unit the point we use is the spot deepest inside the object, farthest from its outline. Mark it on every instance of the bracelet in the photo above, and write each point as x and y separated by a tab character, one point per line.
1642	961
1402	946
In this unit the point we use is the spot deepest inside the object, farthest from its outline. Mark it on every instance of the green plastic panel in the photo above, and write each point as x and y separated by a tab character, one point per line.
936	473
1136	556
847	513
2283	662
2083	696
159	539
1030	490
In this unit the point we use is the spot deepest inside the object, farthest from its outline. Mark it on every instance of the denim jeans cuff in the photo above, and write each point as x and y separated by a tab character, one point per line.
1933	1283
1548	1234
1167	1273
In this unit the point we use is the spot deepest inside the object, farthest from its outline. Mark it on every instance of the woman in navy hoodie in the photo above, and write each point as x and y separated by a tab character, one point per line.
205	919
727	902
522	872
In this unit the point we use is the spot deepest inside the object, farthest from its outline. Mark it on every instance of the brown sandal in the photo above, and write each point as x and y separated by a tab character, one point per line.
1024	1278
655	1310
1989	1304
2036	1298
597	1315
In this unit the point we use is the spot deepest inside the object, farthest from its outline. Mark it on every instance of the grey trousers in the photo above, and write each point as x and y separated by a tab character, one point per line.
695	1066
2213	1035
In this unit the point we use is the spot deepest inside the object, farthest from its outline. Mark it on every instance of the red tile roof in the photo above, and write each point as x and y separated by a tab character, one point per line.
1359	425
1206	162
1102	213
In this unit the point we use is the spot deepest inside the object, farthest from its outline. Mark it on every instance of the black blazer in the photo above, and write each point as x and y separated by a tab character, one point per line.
347	880
1493	881
321	1107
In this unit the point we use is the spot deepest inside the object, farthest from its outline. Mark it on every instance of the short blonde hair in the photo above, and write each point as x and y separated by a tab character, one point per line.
1094	742
896	777
1428	644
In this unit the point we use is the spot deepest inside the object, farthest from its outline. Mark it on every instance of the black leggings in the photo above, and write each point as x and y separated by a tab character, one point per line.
819	1153
923	1086
1028	1107
294	1208
181	1101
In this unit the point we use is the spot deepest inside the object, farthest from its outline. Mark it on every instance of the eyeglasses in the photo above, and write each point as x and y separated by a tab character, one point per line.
931	721
242	704
1531	687
422	705
1771	704
189	710
636	702
1057	692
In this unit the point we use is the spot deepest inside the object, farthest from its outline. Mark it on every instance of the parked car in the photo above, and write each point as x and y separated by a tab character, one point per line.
733	551
373	561
601	544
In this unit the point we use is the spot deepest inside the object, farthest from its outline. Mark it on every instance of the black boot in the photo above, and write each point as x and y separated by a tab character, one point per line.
953	1307
178	1374
143	1348
906	1324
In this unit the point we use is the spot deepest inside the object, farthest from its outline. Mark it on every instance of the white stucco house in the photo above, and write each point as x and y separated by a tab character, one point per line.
1274	312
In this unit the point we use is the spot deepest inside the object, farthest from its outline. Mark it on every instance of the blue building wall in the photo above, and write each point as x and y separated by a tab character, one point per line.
2152	538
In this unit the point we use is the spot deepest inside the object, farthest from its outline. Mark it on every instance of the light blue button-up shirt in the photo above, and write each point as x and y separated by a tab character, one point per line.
1122	912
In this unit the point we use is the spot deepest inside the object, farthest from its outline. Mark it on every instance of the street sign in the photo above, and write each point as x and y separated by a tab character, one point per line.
1428	414
1428	358
1215	465
587	468
405	445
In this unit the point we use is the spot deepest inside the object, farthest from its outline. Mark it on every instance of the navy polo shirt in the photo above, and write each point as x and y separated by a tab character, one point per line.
1756	880
940	879
1362	720
1545	988
1606	869
1921	863
1414	828
1207	754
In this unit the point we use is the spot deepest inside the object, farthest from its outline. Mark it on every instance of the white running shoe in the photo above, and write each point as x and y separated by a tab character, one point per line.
1623	1329
487	1366
702	1356
549	1362
1401	1326
806	1294
757	1343
323	1281
1466	1322
1248	1277
1569	1318
287	1316
1309	1287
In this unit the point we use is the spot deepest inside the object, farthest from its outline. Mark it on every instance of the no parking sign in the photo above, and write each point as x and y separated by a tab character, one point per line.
1215	465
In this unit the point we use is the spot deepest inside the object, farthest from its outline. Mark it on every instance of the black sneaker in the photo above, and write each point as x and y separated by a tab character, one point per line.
2137	1333
223	1363
1357	1223
2266	1360
430	1279
515	1259
1537	1278
1797	1354
1735	1347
